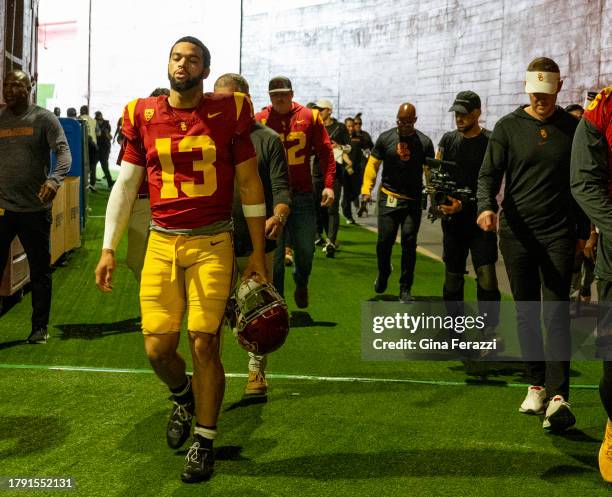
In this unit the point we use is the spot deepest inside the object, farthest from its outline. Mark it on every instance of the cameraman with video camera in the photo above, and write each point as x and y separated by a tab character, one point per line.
466	147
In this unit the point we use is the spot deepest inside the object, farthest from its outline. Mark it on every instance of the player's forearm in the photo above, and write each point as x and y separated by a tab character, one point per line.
257	229
253	203
120	203
369	175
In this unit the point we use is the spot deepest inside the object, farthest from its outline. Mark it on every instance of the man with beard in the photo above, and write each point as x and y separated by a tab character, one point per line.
466	147
191	146
402	151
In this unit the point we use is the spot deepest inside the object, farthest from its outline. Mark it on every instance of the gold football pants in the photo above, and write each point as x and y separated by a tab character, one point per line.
193	273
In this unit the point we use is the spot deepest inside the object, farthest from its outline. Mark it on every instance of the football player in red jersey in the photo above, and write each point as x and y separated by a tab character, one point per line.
191	145
591	178
303	133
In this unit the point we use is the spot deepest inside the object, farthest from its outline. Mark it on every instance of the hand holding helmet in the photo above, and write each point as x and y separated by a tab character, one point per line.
262	320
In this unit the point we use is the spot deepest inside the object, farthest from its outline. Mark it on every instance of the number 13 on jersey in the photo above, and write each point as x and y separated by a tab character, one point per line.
205	166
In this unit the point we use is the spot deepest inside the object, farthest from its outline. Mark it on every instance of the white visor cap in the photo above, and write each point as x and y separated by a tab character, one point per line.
542	82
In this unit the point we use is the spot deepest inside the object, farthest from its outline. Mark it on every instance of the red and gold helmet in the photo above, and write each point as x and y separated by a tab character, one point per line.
262	320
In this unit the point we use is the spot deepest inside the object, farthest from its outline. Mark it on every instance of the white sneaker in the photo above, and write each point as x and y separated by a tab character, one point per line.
535	401
559	416
329	250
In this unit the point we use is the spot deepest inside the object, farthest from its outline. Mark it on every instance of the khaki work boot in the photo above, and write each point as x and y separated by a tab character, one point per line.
257	384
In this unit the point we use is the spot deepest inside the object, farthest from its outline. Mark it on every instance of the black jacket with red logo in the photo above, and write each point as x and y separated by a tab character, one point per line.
535	157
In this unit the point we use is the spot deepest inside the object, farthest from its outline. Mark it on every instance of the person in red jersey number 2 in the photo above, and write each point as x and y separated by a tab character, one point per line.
303	133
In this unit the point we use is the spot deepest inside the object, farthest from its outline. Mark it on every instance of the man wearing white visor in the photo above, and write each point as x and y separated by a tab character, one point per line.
538	230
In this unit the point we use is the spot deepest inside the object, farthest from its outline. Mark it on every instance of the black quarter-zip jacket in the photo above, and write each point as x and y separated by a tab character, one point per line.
535	158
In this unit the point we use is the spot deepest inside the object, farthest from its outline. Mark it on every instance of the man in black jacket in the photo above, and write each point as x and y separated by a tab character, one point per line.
361	145
402	150
340	138
537	233
104	146
466	147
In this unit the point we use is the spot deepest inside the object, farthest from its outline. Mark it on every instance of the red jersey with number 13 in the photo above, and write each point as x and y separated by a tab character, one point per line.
190	155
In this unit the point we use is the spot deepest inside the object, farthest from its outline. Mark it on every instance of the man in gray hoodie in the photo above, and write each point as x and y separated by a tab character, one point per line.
27	187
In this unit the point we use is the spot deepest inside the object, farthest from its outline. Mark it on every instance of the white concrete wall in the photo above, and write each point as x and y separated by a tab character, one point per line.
131	46
365	55
372	55
130	42
62	51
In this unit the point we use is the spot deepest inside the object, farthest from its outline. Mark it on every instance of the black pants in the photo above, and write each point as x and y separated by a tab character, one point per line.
542	270
462	236
103	154
604	290
33	230
331	214
318	185
407	216
347	193
327	219
93	162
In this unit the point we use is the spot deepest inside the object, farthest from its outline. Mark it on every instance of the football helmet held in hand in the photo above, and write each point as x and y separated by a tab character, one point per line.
262	320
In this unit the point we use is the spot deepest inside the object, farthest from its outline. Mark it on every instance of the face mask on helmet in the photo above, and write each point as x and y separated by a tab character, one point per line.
262	320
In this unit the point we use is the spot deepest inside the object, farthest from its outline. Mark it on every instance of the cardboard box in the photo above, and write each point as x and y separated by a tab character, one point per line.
57	225
16	272
72	227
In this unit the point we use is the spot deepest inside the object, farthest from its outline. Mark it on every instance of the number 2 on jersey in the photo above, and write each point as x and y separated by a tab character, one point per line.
189	188
292	151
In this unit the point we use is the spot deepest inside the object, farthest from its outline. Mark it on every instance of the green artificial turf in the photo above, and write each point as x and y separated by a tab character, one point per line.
443	431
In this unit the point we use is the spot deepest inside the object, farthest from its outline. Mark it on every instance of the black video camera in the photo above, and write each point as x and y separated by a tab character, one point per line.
439	185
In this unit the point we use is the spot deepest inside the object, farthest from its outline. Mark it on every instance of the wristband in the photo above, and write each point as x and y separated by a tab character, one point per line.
254	210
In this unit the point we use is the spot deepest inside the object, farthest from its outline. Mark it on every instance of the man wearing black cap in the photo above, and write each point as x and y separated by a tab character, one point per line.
537	234
466	147
303	133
